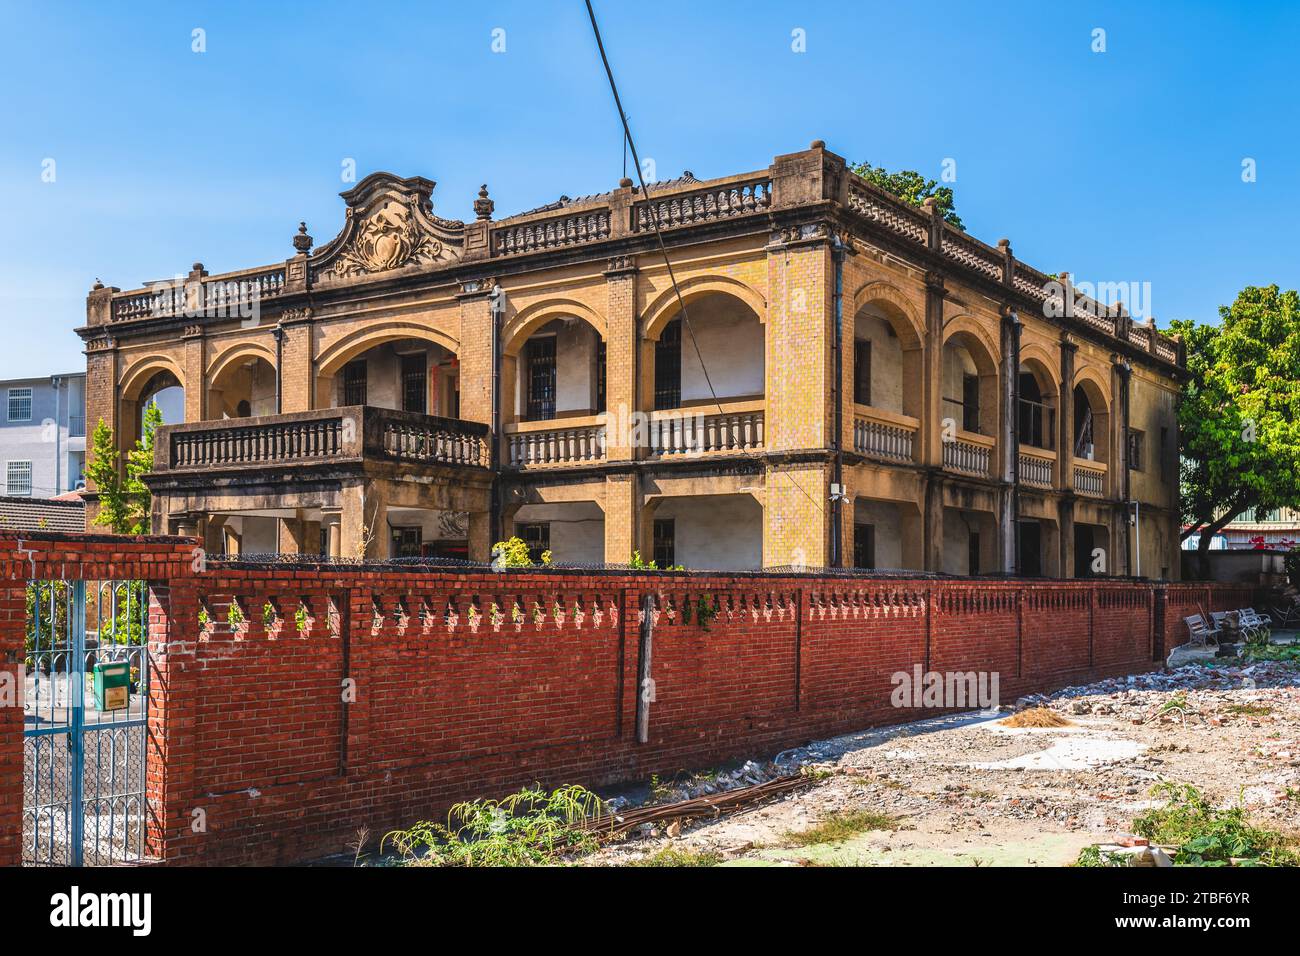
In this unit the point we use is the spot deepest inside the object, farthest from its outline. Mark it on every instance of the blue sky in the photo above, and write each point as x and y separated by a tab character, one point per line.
1122	166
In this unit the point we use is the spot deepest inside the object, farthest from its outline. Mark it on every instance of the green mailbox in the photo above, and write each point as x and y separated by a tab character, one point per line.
113	685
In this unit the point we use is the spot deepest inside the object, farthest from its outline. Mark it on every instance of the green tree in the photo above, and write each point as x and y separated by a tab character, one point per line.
911	186
1239	415
124	499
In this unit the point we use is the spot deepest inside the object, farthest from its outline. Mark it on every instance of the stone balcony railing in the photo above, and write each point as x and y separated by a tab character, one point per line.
1037	466
969	454
573	442
346	435
1090	478
685	432
884	435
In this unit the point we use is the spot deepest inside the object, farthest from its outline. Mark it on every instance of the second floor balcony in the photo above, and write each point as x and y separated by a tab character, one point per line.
331	437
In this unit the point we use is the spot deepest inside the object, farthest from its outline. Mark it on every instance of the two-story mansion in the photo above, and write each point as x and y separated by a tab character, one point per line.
852	382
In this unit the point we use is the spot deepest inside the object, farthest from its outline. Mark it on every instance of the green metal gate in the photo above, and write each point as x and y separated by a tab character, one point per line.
84	754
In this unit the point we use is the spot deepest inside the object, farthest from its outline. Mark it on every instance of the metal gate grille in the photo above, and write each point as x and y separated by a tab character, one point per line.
84	770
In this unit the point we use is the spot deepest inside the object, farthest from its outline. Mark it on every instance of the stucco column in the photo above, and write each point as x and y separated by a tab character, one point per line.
296	361
621	340
480	536
364	521
930	451
622	509
476	354
799	411
193	359
1009	443
932	522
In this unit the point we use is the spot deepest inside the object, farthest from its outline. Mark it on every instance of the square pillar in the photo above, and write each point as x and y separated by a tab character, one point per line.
622	509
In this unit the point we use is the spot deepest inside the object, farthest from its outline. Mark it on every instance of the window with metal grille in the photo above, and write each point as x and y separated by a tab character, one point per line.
668	366
600	376
20	404
19	478
864	546
1135	450
354	383
406	542
862	372
540	359
415	383
665	543
538	538
1164	454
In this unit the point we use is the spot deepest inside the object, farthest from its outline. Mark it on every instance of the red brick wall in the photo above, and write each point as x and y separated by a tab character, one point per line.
464	685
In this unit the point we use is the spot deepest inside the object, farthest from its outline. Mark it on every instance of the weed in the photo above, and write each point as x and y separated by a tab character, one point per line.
1202	834
528	828
1249	710
678	856
839	827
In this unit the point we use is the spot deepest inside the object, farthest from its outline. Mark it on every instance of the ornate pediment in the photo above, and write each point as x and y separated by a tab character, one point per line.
390	225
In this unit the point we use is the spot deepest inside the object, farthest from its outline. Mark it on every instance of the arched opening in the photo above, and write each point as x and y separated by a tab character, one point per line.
886	357
163	389
1037	412
402	373
558	372
720	357
1091	423
970	384
242	388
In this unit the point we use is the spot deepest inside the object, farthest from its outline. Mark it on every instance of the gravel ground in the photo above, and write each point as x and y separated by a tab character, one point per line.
967	790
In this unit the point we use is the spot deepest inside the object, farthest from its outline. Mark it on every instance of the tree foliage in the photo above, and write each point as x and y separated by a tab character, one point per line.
1240	412
912	187
124	499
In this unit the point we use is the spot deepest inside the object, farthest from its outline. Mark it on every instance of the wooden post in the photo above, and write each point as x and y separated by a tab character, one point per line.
645	688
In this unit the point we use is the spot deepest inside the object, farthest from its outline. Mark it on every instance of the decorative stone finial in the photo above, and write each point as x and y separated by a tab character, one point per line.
818	144
302	242
625	183
197	267
97	286
483	206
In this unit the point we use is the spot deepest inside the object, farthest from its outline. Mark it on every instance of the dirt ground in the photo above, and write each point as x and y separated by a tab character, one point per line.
967	790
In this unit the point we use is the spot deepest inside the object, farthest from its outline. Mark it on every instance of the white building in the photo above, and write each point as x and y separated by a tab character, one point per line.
42	435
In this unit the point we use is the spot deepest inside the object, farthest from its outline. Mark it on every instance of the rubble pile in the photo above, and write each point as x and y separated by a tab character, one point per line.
969	787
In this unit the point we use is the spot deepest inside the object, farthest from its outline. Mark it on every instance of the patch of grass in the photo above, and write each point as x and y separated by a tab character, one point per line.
677	857
1249	710
839	827
1203	835
528	828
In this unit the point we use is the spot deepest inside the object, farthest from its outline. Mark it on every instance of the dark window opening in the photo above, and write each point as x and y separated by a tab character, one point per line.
354	383
415	383
1135	451
862	372
973	553
864	546
1031	548
665	545
1037	423
1164	454
970	399
668	366
406	542
540	359
538	538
